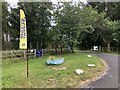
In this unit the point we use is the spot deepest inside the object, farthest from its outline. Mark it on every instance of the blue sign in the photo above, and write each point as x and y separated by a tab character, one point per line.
39	53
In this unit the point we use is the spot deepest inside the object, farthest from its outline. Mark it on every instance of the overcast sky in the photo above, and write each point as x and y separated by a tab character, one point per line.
13	3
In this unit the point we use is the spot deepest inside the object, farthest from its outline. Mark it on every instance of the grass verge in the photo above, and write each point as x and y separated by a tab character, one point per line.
44	76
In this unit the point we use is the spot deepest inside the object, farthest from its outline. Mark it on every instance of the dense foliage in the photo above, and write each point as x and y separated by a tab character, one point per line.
63	25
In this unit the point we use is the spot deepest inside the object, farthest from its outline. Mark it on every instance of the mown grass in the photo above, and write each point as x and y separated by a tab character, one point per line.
14	72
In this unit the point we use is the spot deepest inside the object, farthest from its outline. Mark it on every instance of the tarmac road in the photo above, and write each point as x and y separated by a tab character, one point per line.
110	79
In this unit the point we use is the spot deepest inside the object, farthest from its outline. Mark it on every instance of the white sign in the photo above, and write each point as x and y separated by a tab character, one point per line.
95	47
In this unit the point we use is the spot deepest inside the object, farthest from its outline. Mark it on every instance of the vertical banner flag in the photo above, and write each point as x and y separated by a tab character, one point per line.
23	31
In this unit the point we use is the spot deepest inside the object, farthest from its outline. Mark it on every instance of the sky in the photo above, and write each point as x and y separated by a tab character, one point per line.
13	3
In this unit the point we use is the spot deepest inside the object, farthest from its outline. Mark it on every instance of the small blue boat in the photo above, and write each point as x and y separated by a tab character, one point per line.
56	61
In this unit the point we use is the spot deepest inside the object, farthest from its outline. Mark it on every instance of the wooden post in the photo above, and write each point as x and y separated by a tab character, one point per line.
35	52
99	48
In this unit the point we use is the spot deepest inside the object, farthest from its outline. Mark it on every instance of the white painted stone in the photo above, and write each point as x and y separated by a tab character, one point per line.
79	71
91	65
89	56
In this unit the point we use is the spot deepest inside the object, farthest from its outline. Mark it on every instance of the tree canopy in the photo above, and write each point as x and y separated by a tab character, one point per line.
64	24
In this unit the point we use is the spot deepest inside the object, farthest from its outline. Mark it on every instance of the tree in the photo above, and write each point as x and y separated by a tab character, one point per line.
67	22
38	17
107	34
112	10
5	26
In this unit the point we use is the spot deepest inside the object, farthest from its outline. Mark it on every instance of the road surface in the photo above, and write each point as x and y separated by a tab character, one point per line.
110	79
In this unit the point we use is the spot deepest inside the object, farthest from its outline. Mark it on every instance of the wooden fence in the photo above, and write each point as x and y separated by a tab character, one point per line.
32	53
21	53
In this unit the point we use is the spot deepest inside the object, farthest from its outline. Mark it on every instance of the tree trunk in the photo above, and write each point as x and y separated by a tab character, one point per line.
37	45
100	48
30	46
7	42
52	45
108	47
72	48
61	49
56	50
41	45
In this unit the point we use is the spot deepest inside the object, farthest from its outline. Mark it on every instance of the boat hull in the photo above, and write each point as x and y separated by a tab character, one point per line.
56	61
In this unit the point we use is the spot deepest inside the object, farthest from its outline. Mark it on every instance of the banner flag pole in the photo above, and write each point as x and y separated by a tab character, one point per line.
23	34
